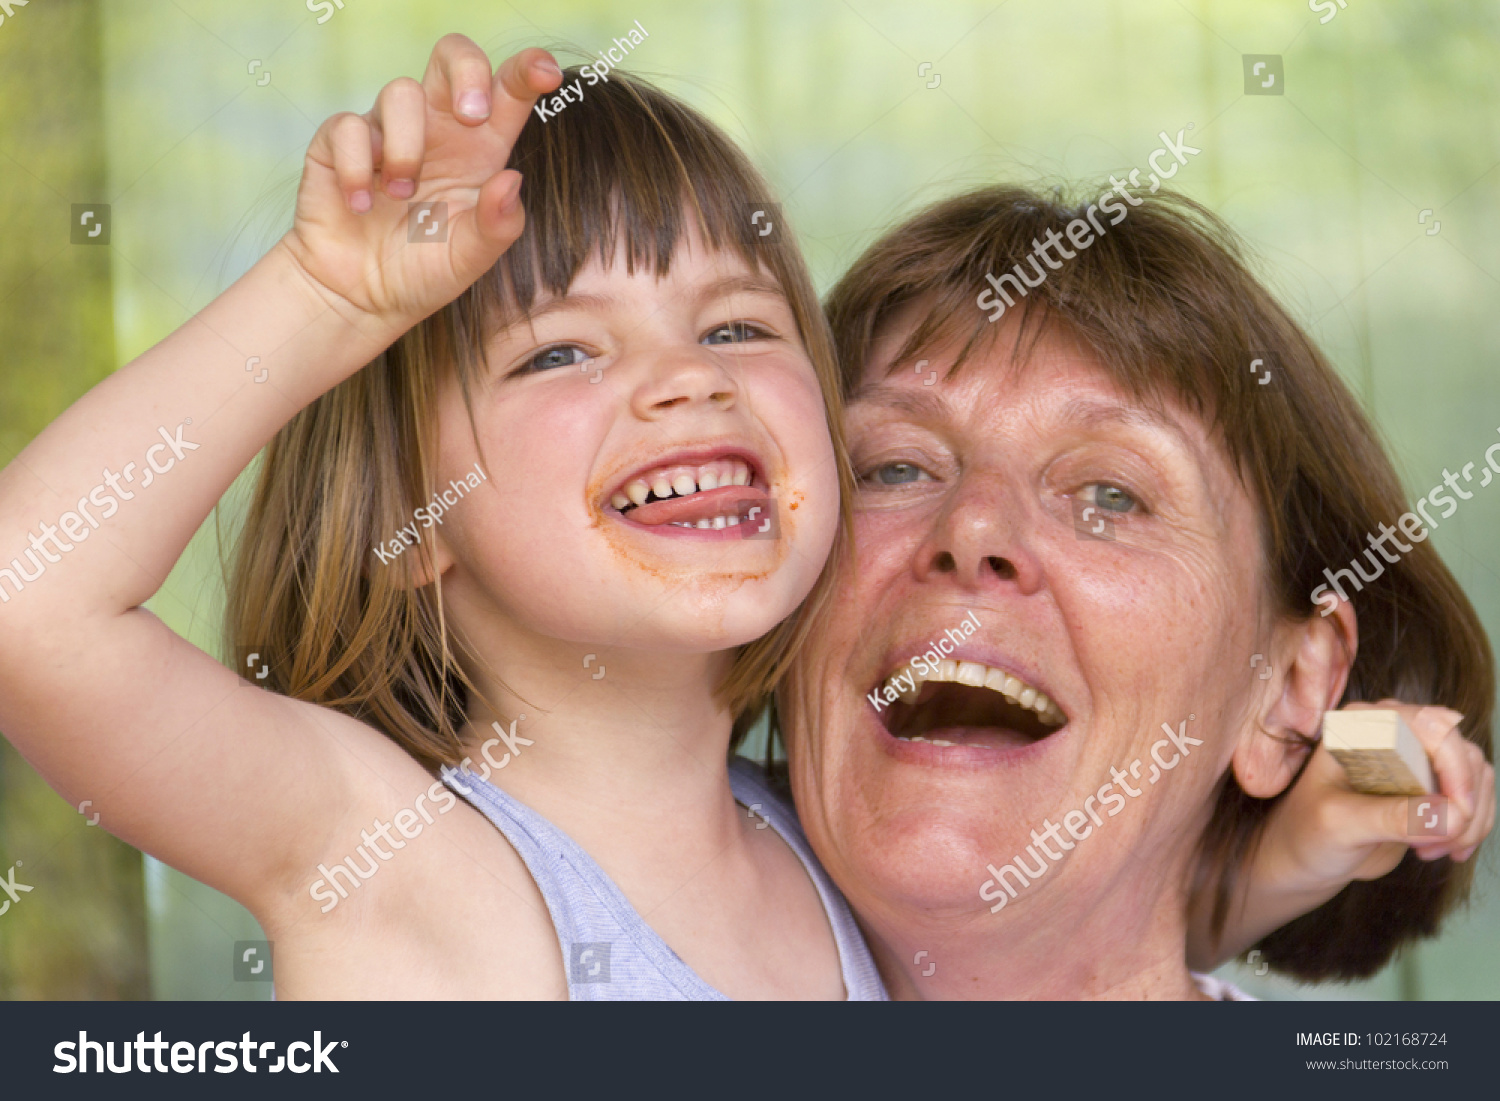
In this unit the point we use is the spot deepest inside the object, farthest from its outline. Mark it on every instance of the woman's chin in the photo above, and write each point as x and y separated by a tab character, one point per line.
927	863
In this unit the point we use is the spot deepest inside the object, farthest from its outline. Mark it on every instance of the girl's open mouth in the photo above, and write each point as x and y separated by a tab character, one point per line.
713	494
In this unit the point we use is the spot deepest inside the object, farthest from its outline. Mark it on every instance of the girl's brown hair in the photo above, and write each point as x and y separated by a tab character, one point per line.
628	170
1166	304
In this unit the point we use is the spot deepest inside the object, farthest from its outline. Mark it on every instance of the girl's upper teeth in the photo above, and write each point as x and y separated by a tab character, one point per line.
976	675
681	481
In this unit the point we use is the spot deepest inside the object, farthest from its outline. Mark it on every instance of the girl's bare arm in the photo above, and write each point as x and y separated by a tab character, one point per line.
182	758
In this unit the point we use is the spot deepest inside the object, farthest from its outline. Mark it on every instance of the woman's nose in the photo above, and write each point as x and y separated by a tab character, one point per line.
682	380
980	539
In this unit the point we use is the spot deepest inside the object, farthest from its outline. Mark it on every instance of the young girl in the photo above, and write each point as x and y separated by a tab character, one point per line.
552	514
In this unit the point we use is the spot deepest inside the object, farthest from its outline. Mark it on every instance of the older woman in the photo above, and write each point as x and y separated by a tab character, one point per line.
1085	531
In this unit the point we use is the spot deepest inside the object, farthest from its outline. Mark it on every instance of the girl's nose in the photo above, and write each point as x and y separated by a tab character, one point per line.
681	381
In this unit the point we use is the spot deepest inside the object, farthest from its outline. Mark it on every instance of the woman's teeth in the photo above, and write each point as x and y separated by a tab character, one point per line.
683	481
976	675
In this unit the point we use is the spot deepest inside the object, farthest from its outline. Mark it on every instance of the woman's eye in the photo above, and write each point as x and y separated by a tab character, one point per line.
559	355
895	474
734	332
1111	497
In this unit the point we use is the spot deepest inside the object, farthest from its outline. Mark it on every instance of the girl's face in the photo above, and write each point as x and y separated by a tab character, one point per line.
661	472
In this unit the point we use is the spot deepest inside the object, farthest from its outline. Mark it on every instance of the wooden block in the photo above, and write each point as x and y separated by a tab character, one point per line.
1379	752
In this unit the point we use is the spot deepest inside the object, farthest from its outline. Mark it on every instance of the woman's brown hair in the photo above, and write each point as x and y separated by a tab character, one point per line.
624	173
1164	300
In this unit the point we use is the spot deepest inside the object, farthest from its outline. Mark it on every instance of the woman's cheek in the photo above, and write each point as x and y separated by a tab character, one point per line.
885	536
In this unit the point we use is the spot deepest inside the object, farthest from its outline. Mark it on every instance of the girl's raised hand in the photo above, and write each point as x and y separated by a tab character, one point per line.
1324	834
1326	830
445	140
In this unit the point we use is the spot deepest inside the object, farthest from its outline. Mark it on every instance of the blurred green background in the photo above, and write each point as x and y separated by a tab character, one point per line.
190	118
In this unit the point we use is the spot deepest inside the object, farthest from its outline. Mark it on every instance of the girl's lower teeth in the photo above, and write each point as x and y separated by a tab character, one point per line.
929	741
718	523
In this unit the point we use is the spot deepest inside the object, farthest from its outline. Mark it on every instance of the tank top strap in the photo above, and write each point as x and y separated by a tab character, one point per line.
610	952
862	981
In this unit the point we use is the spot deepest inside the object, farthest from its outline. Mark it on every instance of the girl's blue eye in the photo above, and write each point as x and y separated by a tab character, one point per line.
1112	498
559	355
734	332
895	474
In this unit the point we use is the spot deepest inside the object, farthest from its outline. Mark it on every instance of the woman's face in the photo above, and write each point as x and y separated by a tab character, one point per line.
662	476
1109	556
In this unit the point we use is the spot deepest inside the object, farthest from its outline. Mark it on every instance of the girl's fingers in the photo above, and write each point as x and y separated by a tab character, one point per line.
1463	775
348	142
1437	729
479	235
1466	829
399	124
458	79
1351	818
1483	819
518	82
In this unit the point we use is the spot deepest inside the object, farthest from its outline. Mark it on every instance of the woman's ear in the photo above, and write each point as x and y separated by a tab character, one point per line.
1318	655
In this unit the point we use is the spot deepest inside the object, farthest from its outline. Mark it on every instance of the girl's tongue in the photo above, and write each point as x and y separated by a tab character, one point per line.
726	502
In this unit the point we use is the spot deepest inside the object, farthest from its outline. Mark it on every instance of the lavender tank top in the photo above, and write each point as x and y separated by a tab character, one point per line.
610	952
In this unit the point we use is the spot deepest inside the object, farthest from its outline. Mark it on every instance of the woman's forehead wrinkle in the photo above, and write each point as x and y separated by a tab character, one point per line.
924	405
1091	414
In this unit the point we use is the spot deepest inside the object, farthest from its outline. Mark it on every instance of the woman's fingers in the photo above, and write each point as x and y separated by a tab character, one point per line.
399	135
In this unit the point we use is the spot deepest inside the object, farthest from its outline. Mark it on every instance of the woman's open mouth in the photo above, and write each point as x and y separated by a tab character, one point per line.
966	703
714	493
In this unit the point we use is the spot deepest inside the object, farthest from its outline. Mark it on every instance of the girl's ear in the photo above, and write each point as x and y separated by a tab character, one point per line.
431	562
1318	655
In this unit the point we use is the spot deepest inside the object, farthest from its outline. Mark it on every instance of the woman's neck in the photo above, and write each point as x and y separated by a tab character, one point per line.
1126	944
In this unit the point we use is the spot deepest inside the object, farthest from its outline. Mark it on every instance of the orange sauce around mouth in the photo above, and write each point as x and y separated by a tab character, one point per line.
719	584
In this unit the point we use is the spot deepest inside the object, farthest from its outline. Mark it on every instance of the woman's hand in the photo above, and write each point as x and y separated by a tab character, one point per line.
1324	834
444	140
